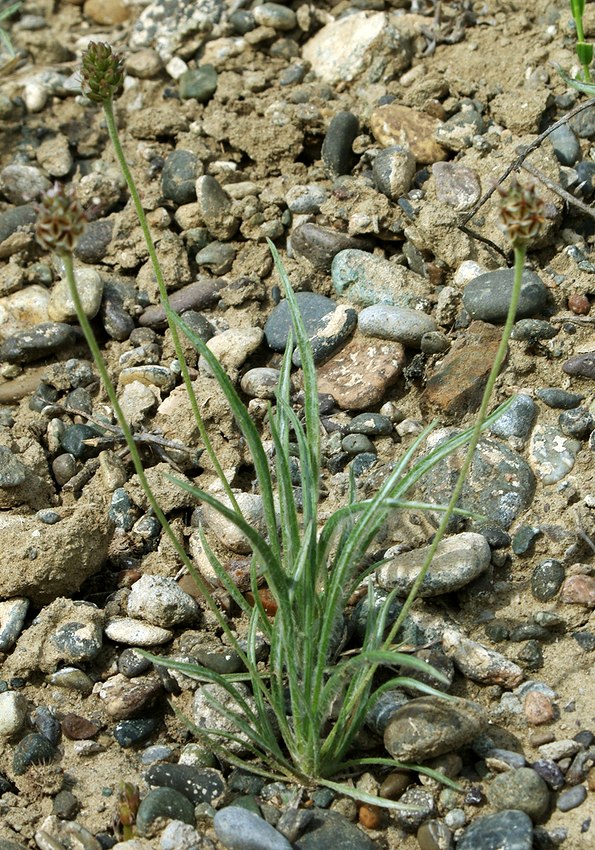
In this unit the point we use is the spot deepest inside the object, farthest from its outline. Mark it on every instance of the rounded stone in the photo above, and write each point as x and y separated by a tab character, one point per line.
93	245
13	713
78	642
162	602
136	633
533	331
32	749
260	382
163	803
546	579
559	399
274	15
517	420
226	532
506	830
355	444
581	365
239	829
571	798
320	245
78	728
428	726
178	177
488	296
198	83
565	144
337	153
33	343
199	785
434	835
371	424
315	311
396	323
578	422
393	171
130	732
524	789
420	806
305	199
89	286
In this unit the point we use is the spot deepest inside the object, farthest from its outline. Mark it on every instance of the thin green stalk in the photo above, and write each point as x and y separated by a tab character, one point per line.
519	258
112	129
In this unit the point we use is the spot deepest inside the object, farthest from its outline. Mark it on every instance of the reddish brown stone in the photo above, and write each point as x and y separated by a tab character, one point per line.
579	304
538	708
78	728
359	375
579	590
456	386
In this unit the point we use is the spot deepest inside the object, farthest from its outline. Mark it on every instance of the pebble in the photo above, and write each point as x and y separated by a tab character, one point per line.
506	830
578	422
488	296
532	331
355	444
123	698
225	531
365	280
130	732
168	31
13	713
581	365
208	716
22	184
136	633
517	420
571	798
458	560
34	343
565	144
499	486
522	788
579	304
231	348
538	708
456	184
198	83
306	199
330	829
394	124
160	601
393	171
196	296
360	374
434	835
420	806
239	829
458	131
181	836
479	663
32	749
12	619
144	64
427	727
395	323
372	424
578	590
326	324
560	399
131	663
214	206
218	257
546	579
260	382
199	785
72	679
550	773
320	245
77	642
178	177
552	454
337	153
78	728
163	803
558	750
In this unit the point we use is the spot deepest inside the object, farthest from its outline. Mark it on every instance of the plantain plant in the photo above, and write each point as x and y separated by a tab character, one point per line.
307	705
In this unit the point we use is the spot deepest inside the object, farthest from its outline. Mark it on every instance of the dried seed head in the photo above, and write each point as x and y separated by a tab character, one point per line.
102	72
60	219
522	212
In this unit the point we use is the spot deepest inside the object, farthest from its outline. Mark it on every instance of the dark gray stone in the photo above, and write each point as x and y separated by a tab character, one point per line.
78	642
315	311
32	749
559	399
319	245
330	829
39	341
240	829
198	296
550	773
505	830
131	663
581	365
178	177
457	133
371	424
355	444
523	788
488	296
571	798
13	219
578	422
73	440
93	244
130	732
517	420
218	257
163	803
12	620
565	144
198	83
428	726
337	153
397	323
199	785
47	724
532	331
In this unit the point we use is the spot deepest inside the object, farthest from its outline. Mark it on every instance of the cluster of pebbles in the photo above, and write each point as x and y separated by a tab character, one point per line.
357	136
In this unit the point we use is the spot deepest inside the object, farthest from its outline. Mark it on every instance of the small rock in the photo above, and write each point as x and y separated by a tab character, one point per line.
578	590
457	133
420	807
123	698
90	289
552	454
232	348
260	382
560	399
78	728
456	185
178	178
581	365
506	830
337	154
578	422
239	829
163	803
550	773
198	83
12	618
565	144
479	663
365	279
517	420
396	323
330	829
372	424
327	324
225	531
136	633
546	579
558	750
128	733
214	206
320	245
459	560
13	713
21	184
427	727
160	601
199	785
37	342
32	749
488	296
306	199
523	788
208	716
394	124
571	798
360	374
393	171
196	296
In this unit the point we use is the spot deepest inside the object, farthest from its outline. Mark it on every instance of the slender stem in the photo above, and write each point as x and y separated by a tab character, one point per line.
133	449
108	109
519	259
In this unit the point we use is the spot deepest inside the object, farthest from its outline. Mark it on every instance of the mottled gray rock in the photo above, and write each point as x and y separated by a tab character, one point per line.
546	579
331	829
399	323
457	133
260	382
136	633
214	206
21	184
365	279
488	296
320	245
12	618
93	245
274	15
533	331
428	726
421	807
167	26
123	698
479	663
178	178
161	601
199	785
506	830
523	788
565	144
304	199
32	749
163	803
517	420
239	829
393	171
552	453
13	219
327	325
37	342
206	715
456	184
225	531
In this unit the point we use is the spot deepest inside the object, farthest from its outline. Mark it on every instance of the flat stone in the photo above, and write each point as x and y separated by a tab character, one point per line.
129	733
331	829
34	343
393	124
32	749
163	803
523	788
488	296
371	423
136	633
571	798
239	829
360	374
427	727
456	385
552	454
365	279
458	560
458	131
199	785
581	365
456	184
396	323
479	663
320	245
199	295
506	830
232	348
123	698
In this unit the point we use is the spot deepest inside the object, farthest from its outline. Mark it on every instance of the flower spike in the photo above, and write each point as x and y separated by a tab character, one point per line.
102	72
522	212
61	220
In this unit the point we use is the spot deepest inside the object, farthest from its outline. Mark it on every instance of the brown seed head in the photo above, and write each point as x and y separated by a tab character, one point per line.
102	72
522	212
60	220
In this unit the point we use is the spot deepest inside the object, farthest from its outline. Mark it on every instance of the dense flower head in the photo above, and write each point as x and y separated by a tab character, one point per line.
102	72
60	219
522	212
